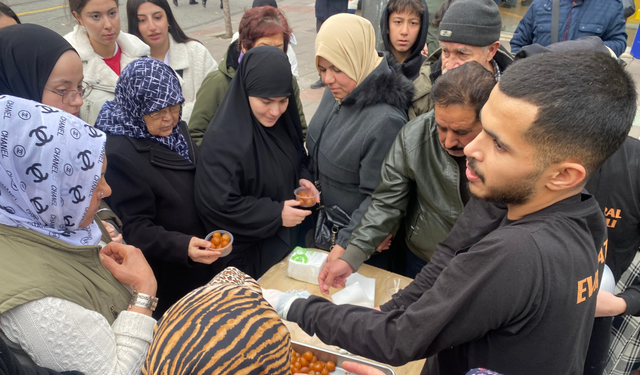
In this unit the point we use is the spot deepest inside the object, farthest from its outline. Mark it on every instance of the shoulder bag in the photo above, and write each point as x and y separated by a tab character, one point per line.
330	218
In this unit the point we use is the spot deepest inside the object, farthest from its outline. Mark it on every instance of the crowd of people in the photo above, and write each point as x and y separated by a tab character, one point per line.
504	185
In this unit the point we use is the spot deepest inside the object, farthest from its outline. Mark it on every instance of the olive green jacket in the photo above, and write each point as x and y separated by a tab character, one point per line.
210	96
420	184
421	102
38	266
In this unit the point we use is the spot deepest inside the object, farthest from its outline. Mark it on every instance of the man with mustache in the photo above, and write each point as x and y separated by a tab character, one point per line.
520	298
423	178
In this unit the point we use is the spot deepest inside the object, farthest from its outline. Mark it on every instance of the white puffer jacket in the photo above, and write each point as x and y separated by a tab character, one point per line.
98	73
195	62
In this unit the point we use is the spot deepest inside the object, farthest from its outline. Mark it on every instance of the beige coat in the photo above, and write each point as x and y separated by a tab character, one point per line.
98	73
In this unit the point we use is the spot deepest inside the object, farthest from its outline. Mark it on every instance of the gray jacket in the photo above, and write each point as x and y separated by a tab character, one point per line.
358	134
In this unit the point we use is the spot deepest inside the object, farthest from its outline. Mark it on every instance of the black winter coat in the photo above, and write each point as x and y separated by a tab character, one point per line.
359	133
327	8
152	192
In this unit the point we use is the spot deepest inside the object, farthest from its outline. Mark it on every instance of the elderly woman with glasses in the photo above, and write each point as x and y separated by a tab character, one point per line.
152	165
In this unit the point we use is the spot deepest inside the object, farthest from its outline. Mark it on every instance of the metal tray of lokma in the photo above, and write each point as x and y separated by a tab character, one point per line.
337	358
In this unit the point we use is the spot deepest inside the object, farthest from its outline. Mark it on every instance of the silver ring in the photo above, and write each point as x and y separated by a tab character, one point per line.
101	195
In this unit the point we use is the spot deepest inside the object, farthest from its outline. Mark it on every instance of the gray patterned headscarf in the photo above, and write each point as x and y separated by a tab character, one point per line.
145	85
50	164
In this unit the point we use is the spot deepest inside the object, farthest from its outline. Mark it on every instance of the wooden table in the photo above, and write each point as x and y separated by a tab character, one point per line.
276	278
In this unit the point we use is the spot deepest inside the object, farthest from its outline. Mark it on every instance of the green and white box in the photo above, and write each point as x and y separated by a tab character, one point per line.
305	264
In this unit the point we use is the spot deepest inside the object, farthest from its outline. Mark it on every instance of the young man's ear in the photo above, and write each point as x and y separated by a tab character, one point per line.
566	175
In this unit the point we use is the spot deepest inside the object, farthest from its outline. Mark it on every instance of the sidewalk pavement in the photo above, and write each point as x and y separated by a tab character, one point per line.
301	18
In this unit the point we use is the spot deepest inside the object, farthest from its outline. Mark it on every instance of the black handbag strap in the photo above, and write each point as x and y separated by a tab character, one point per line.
555	20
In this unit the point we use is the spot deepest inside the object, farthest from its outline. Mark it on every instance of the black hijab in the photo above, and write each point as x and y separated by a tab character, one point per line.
262	3
247	170
410	66
28	54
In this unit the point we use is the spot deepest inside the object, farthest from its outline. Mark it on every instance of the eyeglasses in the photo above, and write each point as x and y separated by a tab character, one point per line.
172	109
69	95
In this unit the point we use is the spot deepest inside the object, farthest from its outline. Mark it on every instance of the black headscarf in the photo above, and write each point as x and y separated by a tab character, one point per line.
28	54
262	3
247	170
410	66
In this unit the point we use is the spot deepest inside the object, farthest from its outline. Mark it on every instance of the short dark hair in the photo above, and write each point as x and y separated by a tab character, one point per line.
4	9
174	29
469	84
402	6
586	105
260	22
440	13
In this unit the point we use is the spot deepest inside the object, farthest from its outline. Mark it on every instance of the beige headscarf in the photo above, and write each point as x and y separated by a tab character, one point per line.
349	43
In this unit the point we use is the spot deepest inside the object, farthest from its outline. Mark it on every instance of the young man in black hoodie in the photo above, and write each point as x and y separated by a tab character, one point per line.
520	300
404	25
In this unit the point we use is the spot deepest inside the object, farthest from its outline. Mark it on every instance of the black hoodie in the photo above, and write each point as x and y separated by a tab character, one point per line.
411	66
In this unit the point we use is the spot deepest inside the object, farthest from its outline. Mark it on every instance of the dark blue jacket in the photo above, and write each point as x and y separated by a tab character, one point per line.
602	18
327	8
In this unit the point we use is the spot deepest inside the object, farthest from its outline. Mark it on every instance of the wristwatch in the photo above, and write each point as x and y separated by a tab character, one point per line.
144	301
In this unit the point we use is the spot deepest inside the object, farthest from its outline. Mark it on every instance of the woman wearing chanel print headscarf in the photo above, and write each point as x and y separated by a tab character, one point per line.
252	160
58	303
152	165
37	63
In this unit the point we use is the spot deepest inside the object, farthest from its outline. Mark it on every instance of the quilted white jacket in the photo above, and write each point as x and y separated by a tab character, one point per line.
195	62
98	73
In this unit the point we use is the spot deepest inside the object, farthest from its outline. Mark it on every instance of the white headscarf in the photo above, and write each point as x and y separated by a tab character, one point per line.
50	164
